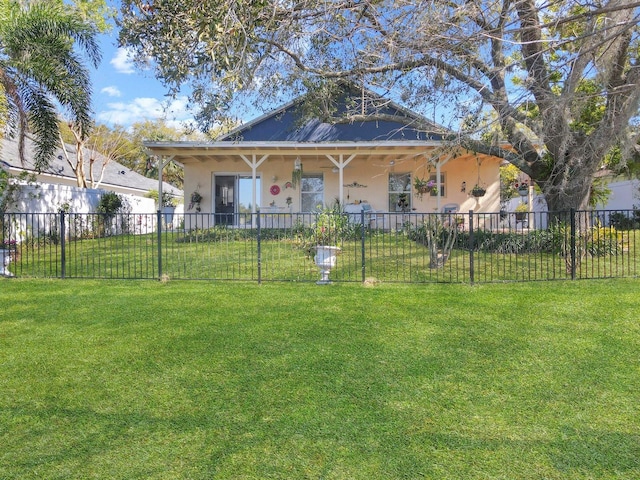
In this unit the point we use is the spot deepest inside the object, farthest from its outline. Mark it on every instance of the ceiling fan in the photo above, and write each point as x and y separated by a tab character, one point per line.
335	169
389	167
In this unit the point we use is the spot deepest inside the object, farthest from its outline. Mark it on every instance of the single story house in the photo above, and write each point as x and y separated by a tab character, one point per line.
284	162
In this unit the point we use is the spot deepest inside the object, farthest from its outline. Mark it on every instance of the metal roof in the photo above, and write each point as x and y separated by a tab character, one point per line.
284	134
391	122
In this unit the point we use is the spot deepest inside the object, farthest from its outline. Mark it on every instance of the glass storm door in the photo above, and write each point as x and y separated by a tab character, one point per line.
234	199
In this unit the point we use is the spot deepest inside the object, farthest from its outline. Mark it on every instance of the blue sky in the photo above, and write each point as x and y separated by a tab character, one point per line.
123	95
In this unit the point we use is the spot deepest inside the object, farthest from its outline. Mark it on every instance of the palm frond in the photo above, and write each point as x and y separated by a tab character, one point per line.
42	64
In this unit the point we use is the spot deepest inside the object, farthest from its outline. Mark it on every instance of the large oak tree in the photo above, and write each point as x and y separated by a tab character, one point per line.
560	79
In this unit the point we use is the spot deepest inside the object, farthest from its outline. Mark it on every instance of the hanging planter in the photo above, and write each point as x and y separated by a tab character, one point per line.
196	199
403	202
422	186
523	189
478	191
296	175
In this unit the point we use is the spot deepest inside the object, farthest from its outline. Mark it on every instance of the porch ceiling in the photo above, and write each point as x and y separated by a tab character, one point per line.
191	152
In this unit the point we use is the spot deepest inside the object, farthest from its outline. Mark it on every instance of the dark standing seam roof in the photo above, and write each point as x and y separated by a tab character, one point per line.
284	125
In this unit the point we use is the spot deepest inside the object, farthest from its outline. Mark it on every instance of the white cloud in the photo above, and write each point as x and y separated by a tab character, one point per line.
122	113
122	61
112	91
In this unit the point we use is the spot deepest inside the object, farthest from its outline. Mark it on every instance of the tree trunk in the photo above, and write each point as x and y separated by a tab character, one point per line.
81	177
560	200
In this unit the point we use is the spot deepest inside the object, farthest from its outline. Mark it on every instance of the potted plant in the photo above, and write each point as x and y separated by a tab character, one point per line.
296	175
422	186
196	198
7	252
403	202
478	191
523	189
326	230
168	207
522	210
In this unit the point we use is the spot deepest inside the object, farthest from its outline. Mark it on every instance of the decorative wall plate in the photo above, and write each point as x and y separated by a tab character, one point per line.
275	189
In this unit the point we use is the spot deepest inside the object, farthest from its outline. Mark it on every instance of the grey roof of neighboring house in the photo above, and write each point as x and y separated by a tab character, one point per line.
115	174
393	123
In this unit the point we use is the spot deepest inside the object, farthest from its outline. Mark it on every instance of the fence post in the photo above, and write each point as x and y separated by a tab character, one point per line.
159	224
362	245
63	253
471	241
572	221
259	247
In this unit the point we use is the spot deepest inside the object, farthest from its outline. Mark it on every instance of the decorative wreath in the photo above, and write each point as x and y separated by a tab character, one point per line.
275	189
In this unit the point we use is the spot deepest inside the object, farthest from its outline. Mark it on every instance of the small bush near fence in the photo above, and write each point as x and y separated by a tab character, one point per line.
599	241
627	220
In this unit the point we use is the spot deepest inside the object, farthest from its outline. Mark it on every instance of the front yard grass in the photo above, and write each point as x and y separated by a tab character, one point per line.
388	256
142	379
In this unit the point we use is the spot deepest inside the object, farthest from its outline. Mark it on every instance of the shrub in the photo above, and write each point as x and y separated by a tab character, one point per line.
605	241
535	241
110	204
168	200
437	233
622	221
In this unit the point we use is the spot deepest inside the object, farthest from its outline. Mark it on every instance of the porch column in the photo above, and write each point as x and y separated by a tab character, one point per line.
340	164
438	198
439	163
161	164
254	164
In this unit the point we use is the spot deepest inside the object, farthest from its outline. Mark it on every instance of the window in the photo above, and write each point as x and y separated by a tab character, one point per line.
399	192
433	178
311	193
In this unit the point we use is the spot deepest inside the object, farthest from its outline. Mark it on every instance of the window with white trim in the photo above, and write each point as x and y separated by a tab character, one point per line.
433	178
311	192
399	192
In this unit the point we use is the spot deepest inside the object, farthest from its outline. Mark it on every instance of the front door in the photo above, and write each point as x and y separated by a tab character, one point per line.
233	199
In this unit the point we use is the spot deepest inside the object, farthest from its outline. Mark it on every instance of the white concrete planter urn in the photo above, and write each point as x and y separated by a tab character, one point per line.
5	260
325	258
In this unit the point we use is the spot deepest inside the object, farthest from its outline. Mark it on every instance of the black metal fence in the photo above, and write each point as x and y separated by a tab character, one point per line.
388	247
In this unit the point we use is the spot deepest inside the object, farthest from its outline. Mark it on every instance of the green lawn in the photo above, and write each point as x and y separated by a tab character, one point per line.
388	256
140	379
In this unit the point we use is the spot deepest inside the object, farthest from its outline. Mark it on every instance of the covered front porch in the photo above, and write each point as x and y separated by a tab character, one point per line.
288	177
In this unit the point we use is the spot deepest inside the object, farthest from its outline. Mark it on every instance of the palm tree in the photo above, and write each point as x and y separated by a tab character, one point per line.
41	69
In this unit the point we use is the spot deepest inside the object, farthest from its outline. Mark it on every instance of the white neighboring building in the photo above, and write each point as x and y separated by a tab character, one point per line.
56	187
51	198
624	194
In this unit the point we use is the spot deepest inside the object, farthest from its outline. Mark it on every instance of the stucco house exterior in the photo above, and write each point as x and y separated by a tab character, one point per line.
284	163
